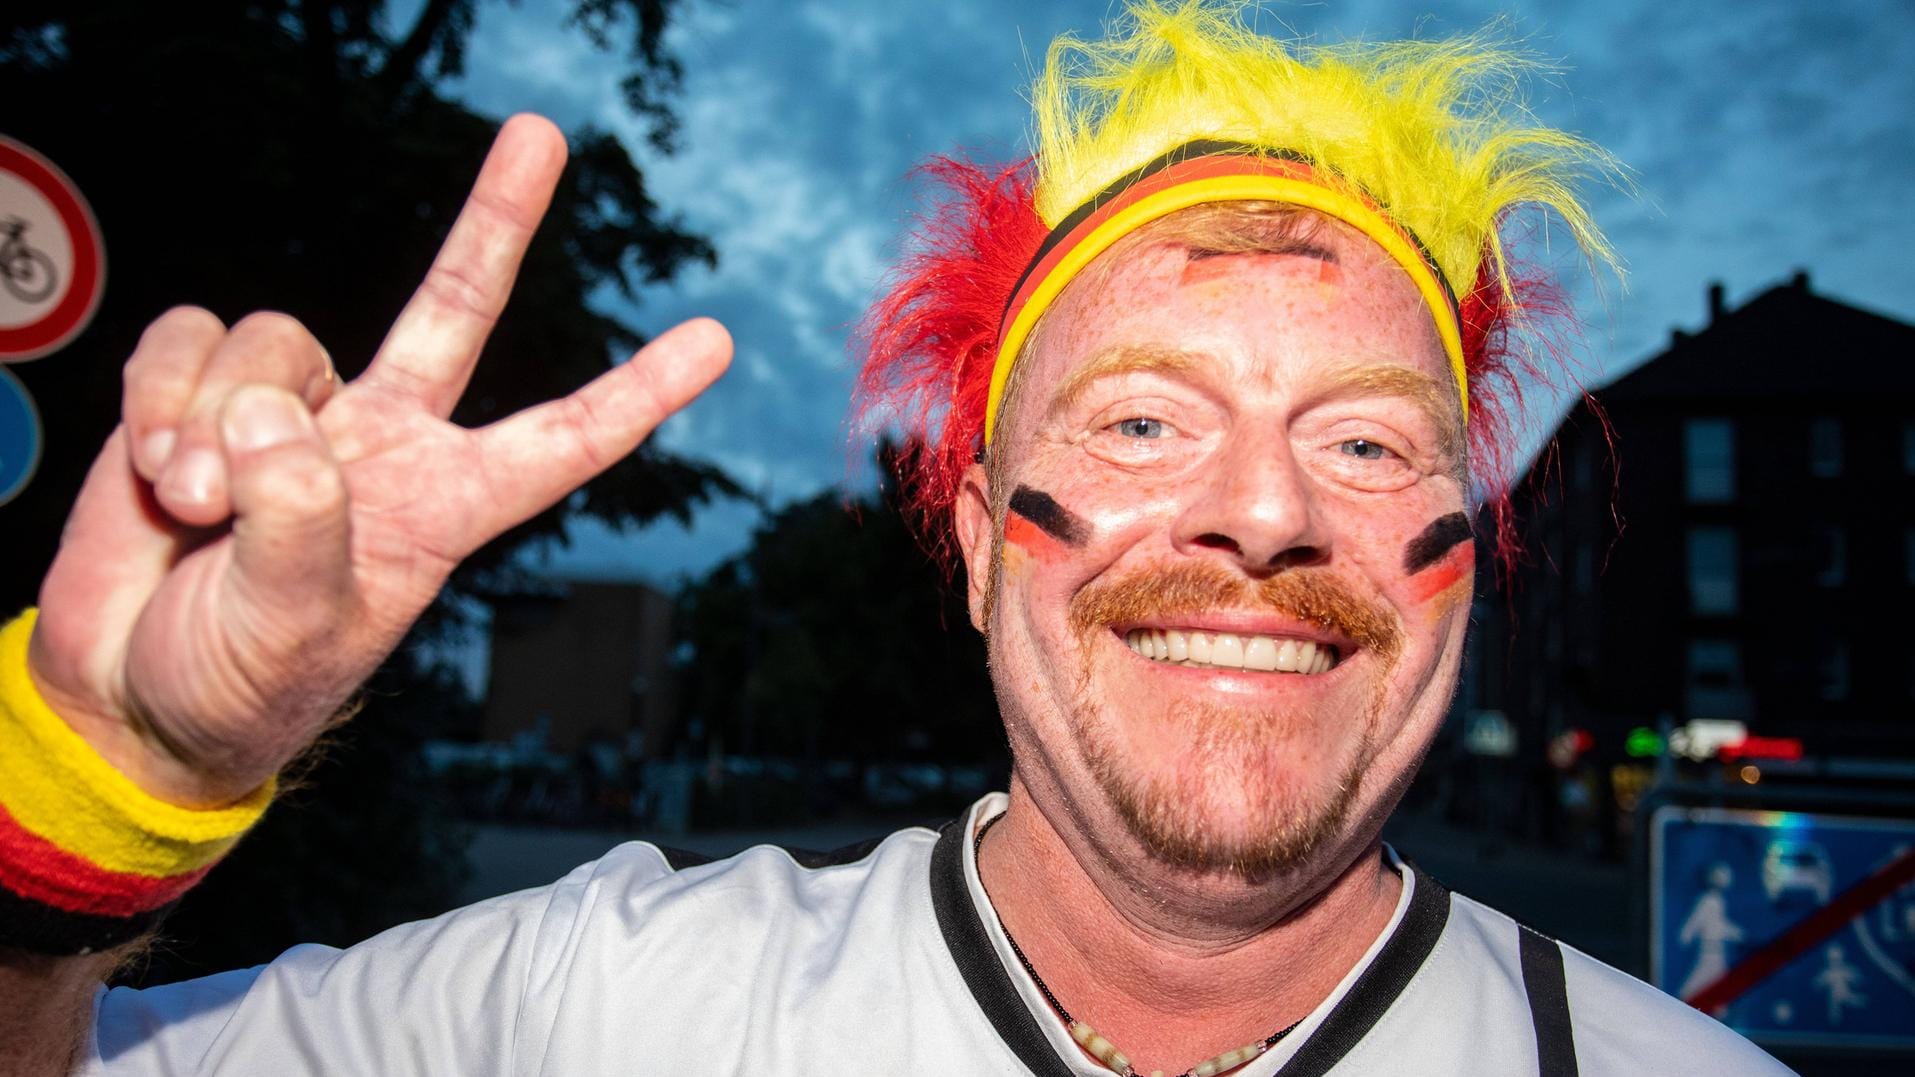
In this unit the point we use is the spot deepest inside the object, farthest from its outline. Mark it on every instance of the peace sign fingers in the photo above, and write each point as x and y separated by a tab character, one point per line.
429	354
545	452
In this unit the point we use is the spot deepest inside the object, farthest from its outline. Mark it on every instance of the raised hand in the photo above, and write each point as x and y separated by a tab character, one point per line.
254	538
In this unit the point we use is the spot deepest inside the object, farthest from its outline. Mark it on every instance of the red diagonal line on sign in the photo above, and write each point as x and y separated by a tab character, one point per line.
1792	943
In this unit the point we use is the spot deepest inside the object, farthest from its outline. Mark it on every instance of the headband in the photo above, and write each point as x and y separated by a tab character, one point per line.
1197	173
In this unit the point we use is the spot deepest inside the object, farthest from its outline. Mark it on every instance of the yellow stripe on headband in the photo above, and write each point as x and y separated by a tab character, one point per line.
1245	186
56	786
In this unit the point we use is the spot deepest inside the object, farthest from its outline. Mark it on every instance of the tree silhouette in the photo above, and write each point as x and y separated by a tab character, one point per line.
835	636
300	155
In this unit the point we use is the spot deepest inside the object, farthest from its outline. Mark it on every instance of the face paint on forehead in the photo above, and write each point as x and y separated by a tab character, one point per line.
1440	556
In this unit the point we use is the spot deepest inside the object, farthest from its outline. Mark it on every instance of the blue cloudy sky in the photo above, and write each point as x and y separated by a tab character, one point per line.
1766	137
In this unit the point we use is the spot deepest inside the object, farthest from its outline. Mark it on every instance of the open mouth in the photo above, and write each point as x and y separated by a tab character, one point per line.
1231	650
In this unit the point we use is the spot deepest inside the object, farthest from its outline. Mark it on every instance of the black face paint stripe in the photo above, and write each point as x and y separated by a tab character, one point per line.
1052	518
1442	536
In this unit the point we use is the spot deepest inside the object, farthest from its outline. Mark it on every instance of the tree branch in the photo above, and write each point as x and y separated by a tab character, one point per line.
402	63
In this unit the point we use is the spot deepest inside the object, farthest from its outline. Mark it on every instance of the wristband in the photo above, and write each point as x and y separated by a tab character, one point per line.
88	859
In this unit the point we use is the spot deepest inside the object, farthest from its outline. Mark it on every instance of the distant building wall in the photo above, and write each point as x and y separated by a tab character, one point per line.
592	660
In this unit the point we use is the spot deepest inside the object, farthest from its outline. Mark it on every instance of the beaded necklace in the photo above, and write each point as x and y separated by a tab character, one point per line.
1089	1039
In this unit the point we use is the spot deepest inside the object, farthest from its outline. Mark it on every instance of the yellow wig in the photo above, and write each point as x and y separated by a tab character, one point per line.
1424	146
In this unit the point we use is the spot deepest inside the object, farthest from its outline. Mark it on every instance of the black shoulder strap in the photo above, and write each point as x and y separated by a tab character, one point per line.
1548	1004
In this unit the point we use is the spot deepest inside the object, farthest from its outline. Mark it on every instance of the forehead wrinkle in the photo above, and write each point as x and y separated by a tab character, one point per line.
1436	399
1121	359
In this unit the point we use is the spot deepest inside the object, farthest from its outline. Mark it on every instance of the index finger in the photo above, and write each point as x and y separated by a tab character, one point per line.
429	353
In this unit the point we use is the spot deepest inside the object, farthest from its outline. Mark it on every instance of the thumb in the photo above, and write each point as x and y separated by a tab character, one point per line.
292	540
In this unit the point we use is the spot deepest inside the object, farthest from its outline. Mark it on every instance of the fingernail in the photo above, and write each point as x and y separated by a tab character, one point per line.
258	418
191	478
156	448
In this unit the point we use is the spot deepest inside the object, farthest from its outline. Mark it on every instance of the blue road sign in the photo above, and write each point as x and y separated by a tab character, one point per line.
1800	926
20	437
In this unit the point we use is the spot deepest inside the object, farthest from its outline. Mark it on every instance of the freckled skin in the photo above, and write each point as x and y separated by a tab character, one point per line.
1254	479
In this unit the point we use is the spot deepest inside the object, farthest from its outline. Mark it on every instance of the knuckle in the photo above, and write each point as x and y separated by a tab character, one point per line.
188	321
585	431
271	330
450	287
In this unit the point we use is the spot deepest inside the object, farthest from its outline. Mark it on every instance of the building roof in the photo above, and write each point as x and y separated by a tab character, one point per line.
1787	341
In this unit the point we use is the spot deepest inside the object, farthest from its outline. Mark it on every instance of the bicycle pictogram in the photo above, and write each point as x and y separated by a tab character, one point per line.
28	273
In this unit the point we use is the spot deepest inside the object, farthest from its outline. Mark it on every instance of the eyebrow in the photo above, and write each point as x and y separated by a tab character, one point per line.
1123	359
1437	400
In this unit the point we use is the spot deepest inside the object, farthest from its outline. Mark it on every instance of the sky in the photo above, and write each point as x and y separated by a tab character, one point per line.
1764	138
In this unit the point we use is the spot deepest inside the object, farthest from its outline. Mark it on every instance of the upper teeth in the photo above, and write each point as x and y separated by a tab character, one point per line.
1228	650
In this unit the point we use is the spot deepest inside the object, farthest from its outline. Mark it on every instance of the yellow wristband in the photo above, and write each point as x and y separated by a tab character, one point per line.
57	787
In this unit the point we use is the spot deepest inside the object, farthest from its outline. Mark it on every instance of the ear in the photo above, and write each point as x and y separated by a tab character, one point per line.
975	534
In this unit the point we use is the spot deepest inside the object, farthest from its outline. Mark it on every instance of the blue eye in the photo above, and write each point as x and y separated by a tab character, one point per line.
1363	449
1142	428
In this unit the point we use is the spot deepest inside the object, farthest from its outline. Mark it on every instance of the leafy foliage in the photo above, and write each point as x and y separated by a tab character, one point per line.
835	636
298	155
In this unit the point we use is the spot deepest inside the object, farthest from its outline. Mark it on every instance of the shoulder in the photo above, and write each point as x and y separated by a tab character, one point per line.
1621	1025
486	982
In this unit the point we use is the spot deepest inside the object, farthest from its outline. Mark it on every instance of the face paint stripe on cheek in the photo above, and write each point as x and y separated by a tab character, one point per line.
1445	574
1444	534
1050	517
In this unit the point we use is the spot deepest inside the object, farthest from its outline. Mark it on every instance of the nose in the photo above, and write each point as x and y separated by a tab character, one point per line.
1257	509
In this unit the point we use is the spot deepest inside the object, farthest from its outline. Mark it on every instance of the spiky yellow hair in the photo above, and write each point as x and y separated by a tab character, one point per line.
1434	132
1425	146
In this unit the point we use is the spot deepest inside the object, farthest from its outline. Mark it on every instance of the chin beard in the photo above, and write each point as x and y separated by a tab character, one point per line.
1230	806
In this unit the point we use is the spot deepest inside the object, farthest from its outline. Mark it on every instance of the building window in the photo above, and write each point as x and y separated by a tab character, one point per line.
1713	571
1831	556
1715	680
1825	448
1832	670
1708	449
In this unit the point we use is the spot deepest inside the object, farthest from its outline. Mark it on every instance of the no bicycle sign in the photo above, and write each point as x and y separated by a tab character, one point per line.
1791	927
52	263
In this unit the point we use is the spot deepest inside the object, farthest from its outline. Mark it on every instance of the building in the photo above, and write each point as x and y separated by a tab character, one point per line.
582	662
1746	552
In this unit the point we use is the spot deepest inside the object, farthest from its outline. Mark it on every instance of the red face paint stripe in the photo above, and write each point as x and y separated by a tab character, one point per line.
1022	533
1445	574
35	868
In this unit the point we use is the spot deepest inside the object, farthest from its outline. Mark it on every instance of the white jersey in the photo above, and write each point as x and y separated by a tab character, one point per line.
890	961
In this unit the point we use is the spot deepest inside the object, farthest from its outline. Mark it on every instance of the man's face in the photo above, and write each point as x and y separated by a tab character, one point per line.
1231	568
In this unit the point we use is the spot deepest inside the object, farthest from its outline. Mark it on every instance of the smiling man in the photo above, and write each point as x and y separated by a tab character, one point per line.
1202	390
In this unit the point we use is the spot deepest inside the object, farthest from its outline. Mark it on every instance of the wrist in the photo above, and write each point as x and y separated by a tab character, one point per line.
88	858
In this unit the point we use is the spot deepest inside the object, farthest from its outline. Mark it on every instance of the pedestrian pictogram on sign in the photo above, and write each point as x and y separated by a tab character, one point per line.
1791	927
52	262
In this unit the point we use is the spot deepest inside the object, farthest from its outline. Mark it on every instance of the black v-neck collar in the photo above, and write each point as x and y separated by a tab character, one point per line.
1346	1024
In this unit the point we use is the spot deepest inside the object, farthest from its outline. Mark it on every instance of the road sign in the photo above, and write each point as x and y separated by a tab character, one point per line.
52	263
1792	927
20	436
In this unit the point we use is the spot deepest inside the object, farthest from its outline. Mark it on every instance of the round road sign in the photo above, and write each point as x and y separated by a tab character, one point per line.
20	436
52	264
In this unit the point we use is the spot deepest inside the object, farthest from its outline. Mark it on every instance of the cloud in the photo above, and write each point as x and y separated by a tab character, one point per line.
1766	137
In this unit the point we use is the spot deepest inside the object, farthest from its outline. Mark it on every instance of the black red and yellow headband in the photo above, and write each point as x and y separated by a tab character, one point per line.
1198	173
